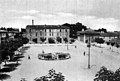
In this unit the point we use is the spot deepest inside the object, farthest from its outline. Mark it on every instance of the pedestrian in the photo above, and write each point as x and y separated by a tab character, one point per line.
43	51
28	57
75	46
84	53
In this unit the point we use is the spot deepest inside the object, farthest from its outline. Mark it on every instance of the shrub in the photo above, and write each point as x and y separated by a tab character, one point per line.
35	40
99	40
108	43
52	76
59	39
107	75
51	40
42	39
66	40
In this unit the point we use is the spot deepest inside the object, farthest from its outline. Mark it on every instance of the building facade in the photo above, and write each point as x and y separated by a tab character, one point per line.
3	34
43	33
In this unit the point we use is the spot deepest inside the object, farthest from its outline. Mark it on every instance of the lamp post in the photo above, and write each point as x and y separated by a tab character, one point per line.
89	45
89	33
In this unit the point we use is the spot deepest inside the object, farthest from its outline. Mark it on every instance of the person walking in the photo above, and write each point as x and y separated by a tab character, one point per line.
75	46
28	56
84	53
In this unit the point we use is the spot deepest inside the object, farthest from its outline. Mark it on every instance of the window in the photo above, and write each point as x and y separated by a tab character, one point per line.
57	34
36	33
52	33
45	30
65	30
40	33
60	30
49	30
30	30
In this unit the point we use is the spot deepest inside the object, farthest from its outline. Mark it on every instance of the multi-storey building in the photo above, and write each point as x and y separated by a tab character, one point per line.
3	34
47	32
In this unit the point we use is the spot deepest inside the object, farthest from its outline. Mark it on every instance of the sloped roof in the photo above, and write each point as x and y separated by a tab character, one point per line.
88	32
3	31
46	27
109	34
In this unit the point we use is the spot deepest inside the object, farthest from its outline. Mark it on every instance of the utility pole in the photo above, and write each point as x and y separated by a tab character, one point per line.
89	45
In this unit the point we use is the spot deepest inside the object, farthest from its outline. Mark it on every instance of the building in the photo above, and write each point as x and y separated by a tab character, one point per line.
105	36
3	35
86	35
46	33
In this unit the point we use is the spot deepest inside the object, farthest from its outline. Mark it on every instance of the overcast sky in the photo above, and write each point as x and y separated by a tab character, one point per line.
92	13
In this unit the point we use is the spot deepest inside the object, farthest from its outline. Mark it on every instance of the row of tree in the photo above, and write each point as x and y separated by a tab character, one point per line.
9	29
74	28
8	47
113	44
101	41
51	40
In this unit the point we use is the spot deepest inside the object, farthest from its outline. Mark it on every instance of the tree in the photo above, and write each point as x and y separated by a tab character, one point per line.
104	75
117	45
99	40
66	40
72	40
8	47
35	40
107	75
112	44
51	76
42	39
108	43
59	39
51	40
117	75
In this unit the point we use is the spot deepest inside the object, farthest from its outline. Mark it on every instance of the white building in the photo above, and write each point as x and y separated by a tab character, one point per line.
39	32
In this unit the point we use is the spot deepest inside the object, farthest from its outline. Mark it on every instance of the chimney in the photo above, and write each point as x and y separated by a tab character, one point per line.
32	22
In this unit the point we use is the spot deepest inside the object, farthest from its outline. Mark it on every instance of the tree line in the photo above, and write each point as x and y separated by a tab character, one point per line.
8	47
74	28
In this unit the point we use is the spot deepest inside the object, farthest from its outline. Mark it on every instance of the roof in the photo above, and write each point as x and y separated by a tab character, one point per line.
109	34
3	31
46	27
88	32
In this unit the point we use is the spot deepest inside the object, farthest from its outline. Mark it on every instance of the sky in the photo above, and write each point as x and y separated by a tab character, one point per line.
94	14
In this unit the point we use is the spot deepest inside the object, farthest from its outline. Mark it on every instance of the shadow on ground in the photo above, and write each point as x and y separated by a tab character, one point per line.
12	65
4	76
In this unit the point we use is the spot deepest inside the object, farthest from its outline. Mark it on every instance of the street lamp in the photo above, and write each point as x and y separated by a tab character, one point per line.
89	45
89	33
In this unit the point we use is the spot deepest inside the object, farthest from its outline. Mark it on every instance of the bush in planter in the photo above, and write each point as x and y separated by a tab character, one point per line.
108	43
112	44
35	40
52	76
42	39
99	40
51	40
59	39
66	40
72	40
